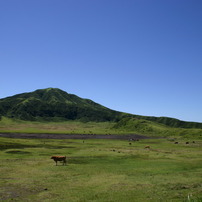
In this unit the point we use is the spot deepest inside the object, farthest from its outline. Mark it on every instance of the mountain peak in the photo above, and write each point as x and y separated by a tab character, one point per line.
51	89
48	90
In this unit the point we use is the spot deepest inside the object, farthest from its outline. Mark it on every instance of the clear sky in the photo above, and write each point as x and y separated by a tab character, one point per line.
138	56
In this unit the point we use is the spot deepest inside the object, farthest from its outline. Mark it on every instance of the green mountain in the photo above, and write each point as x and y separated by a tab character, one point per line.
172	122
54	104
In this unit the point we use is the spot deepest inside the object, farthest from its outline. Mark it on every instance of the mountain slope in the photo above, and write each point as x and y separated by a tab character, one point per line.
172	122
147	127
53	103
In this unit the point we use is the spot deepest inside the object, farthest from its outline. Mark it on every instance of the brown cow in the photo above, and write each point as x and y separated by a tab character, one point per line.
59	158
147	147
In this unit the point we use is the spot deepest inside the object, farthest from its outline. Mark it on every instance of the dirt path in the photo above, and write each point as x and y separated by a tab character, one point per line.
72	136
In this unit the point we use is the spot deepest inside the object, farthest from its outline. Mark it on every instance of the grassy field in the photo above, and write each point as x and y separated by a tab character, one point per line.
71	127
140	127
100	170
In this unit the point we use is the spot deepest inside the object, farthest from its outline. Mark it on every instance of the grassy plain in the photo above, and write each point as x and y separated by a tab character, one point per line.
100	170
140	127
70	127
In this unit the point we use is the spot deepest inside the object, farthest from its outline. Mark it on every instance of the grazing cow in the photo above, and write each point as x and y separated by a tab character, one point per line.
147	147
187	142
193	142
59	158
130	143
176	142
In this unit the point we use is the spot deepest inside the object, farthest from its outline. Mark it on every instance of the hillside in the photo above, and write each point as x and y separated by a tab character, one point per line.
152	128
172	122
55	104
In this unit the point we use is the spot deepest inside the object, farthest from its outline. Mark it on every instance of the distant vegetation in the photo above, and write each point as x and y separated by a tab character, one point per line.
152	128
124	126
39	110
172	122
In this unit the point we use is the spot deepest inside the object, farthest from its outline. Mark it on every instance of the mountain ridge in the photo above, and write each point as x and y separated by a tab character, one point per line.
56	104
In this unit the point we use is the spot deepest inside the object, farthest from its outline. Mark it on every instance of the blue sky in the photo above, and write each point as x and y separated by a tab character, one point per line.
138	56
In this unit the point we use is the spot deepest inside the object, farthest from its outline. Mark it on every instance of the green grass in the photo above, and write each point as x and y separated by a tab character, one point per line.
70	127
133	126
100	170
150	128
